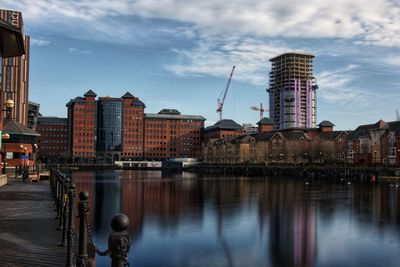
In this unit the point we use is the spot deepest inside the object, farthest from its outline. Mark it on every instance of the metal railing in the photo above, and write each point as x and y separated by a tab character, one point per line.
119	239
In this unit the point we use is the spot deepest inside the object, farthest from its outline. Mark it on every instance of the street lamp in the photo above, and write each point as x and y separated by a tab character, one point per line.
4	136
9	104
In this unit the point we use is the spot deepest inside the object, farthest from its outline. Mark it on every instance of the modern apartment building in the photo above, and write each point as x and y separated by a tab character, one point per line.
110	129
292	91
53	139
15	72
33	114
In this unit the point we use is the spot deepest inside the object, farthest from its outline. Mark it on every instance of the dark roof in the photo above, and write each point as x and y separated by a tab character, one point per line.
78	99
226	124
263	136
394	126
293	135
265	121
169	111
363	130
127	95
139	103
330	135
326	124
13	127
90	93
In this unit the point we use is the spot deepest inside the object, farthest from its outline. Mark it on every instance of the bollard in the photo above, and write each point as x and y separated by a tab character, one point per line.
83	207
119	240
71	227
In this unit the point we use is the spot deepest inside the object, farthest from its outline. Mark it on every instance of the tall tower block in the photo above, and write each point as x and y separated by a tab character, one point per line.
292	91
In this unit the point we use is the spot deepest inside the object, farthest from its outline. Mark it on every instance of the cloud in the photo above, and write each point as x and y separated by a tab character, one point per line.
336	87
215	56
372	23
39	42
73	50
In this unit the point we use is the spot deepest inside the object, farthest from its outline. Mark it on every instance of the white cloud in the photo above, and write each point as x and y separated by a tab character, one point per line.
367	22
336	87
40	42
74	50
215	56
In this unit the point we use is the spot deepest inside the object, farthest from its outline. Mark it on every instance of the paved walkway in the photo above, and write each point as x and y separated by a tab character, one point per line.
28	235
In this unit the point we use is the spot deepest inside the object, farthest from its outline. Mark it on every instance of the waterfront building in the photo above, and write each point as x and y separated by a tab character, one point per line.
377	144
295	145
81	127
170	134
15	70
221	129
53	139
292	91
33	114
123	131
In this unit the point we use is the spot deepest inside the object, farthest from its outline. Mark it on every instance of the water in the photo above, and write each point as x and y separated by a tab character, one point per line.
186	220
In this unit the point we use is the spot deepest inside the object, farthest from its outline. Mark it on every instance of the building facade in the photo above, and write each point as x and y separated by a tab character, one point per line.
169	134
53	139
292	91
33	114
15	72
112	129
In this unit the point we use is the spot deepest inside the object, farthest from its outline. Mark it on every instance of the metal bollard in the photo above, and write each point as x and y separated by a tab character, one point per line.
119	240
71	227
65	216
83	207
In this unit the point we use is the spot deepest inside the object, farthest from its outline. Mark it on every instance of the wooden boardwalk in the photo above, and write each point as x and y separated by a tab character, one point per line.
28	235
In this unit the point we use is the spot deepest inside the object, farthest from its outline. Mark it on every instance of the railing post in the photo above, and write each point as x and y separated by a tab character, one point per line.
71	227
119	240
83	207
65	214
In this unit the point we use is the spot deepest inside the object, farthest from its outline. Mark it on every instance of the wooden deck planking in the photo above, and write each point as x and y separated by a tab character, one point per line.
28	235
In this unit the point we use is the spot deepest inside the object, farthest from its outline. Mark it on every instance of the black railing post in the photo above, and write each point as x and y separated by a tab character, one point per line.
71	227
119	240
83	207
65	214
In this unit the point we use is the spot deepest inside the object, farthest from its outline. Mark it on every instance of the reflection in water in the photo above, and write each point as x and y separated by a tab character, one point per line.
185	220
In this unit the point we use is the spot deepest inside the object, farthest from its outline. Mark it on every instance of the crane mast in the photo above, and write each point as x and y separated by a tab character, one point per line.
220	103
261	109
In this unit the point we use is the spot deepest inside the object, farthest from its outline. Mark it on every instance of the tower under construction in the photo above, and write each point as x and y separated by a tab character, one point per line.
292	91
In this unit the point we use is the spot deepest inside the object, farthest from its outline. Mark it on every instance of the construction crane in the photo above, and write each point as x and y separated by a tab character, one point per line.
397	115
220	103
261	109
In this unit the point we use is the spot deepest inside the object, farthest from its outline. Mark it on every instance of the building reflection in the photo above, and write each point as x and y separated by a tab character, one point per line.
288	212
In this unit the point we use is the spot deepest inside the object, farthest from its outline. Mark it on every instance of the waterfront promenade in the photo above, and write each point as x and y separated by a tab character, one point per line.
28	235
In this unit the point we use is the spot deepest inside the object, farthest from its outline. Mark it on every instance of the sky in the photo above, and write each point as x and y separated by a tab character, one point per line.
179	53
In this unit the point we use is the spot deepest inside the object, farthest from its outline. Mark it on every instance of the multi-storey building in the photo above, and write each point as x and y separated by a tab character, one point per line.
15	72
33	114
221	129
53	139
169	134
292	91
81	127
133	127
124	131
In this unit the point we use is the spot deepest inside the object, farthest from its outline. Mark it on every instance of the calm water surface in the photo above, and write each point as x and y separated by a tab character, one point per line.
187	220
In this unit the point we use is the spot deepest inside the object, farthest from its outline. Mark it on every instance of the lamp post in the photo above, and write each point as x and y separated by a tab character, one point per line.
5	136
9	104
34	148
375	157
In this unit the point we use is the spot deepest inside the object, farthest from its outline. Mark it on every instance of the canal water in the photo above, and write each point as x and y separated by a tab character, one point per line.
190	221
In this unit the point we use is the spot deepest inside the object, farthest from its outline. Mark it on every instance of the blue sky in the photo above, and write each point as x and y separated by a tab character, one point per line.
179	53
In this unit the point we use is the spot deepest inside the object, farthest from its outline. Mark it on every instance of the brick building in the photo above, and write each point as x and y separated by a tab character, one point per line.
111	129
169	134
221	129
53	139
81	127
15	71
